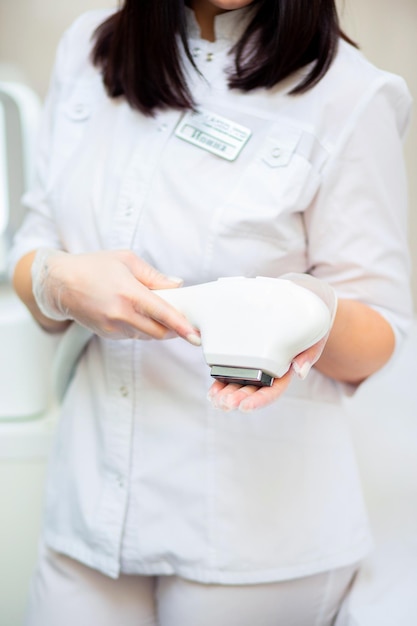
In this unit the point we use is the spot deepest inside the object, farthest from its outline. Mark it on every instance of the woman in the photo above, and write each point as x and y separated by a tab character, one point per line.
161	508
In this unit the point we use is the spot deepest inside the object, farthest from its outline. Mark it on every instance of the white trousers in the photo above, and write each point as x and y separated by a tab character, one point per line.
67	593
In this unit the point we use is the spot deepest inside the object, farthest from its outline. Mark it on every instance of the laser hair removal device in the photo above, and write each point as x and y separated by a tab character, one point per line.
251	328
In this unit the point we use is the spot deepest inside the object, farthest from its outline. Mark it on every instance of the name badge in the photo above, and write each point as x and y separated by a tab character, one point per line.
213	133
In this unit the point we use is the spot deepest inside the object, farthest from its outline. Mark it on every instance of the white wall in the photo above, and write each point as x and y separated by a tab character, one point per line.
386	31
30	30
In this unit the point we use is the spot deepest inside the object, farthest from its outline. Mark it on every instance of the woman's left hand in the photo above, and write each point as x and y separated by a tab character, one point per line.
246	398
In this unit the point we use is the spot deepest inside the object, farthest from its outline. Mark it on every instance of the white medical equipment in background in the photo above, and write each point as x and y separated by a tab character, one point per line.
26	414
25	351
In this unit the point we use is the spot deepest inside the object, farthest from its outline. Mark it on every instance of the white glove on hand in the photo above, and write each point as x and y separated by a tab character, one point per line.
303	362
108	292
47	288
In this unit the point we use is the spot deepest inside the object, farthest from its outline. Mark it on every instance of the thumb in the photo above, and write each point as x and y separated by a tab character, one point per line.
304	361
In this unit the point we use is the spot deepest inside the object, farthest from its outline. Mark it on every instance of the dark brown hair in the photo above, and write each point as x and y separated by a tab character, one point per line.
139	49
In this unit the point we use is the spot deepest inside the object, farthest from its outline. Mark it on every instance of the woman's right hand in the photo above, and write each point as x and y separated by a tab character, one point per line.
108	292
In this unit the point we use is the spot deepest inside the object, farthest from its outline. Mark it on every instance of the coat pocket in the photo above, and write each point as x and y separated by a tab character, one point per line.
278	183
259	227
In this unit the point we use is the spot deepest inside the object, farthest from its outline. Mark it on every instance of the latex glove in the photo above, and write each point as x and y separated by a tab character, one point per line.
303	363
108	292
247	398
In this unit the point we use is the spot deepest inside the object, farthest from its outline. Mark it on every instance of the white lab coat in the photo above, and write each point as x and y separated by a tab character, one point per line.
145	476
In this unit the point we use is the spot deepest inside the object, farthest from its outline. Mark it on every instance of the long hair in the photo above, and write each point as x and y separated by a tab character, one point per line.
140	49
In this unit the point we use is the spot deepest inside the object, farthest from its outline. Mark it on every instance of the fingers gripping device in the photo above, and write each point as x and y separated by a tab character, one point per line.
251	328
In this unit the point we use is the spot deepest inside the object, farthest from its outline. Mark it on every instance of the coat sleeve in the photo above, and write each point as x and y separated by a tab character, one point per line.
357	226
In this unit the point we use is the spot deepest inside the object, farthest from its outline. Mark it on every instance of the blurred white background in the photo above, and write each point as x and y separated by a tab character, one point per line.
386	31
